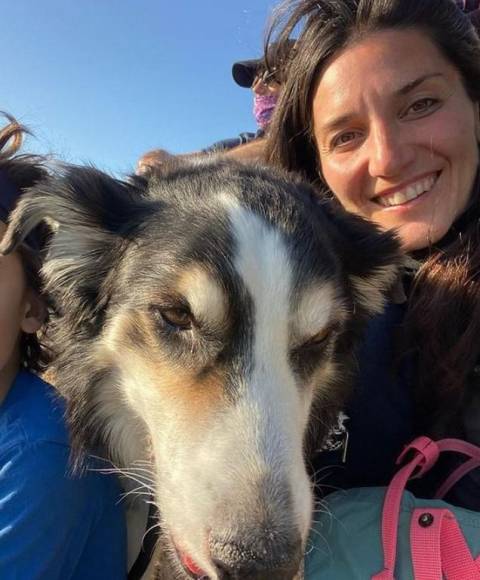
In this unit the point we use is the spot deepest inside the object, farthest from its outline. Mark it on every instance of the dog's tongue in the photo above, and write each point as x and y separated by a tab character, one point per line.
192	567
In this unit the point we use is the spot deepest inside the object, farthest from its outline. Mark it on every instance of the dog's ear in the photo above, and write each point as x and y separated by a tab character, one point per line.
372	258
91	216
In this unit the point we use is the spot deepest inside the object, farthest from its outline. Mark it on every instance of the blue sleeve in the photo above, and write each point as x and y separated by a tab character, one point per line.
54	526
231	143
223	145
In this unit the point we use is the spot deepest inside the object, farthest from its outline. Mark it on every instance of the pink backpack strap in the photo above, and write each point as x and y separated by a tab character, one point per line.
473	462
442	538
439	549
459	446
458	563
425	530
456	476
425	455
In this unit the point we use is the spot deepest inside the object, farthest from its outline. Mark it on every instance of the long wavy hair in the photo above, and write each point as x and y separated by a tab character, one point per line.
25	171
442	323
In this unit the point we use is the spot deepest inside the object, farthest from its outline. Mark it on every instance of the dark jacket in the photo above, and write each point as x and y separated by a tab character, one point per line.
381	421
380	413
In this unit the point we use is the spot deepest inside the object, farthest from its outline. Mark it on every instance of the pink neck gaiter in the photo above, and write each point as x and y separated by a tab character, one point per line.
263	107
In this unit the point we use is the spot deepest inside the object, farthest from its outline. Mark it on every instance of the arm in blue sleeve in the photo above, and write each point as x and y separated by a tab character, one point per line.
54	525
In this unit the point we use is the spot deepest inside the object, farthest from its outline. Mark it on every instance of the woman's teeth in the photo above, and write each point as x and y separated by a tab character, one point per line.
408	193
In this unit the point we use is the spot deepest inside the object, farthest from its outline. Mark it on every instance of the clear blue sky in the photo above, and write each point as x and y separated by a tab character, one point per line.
102	81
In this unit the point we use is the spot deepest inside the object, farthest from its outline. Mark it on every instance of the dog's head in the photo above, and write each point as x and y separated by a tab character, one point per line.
202	319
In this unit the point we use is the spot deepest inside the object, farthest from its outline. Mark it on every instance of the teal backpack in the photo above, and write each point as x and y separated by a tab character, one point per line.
389	534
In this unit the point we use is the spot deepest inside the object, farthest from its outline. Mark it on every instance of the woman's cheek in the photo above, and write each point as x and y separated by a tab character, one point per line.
345	181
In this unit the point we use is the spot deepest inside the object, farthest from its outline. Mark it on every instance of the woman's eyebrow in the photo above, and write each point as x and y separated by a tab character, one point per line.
337	123
413	84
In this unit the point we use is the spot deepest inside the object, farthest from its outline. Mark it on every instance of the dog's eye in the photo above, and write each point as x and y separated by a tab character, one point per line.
320	338
177	318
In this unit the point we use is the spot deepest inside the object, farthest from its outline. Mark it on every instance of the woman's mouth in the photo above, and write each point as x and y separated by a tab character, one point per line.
408	193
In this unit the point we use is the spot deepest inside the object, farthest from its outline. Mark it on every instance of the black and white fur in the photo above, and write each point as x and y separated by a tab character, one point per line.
204	323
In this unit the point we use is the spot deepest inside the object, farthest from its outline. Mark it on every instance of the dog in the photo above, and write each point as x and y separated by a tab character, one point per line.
204	323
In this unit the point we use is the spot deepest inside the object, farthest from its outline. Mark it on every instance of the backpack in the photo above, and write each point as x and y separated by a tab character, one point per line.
389	534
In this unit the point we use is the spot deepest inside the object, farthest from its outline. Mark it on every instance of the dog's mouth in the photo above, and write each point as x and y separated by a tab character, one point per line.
190	567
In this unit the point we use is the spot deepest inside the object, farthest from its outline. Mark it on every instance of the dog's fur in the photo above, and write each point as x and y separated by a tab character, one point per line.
202	321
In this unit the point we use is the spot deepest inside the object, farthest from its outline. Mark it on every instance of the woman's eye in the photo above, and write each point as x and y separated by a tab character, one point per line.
344	139
176	318
422	106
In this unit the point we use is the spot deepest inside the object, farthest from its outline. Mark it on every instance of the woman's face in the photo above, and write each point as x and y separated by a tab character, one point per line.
397	135
262	86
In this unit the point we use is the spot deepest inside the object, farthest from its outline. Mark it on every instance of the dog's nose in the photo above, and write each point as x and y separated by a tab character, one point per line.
257	560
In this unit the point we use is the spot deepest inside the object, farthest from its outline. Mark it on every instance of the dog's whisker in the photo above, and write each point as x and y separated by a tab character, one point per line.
140	476
312	547
132	477
309	548
142	490
323	540
150	529
324	512
143	469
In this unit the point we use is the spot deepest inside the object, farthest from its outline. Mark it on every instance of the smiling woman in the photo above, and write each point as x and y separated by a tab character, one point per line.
400	149
380	109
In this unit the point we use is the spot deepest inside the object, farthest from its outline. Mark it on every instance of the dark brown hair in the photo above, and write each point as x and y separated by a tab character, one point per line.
443	318
24	171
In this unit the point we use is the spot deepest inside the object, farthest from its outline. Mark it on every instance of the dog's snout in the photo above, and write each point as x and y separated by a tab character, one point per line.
258	559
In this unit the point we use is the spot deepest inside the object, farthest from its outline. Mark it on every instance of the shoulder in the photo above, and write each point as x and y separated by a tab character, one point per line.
35	451
46	508
32	412
39	474
56	525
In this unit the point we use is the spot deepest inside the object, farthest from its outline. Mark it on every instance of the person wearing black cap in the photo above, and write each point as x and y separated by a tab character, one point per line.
265	82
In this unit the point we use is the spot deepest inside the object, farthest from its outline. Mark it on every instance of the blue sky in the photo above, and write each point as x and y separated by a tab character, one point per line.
102	81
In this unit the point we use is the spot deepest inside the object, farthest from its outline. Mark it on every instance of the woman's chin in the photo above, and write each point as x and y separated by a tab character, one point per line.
418	236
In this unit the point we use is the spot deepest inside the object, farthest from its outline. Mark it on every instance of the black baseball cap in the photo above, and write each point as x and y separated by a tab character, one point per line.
245	71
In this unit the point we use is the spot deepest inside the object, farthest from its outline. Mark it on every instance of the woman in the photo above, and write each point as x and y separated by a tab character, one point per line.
381	106
53	524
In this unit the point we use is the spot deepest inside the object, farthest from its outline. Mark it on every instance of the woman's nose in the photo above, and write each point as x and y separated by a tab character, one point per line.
390	151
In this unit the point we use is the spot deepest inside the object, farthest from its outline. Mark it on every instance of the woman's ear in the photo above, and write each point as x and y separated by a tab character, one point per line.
34	312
